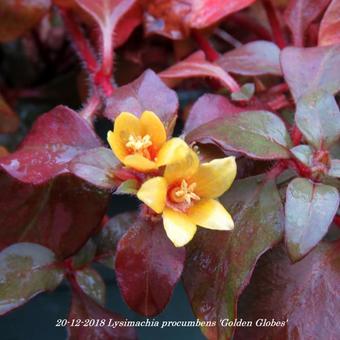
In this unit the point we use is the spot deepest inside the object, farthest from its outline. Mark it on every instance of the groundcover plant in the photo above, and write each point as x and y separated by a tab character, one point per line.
220	118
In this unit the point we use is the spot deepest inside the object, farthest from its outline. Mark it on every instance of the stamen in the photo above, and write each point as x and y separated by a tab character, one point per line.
185	193
139	144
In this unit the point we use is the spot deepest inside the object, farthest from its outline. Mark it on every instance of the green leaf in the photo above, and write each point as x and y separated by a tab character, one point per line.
26	269
219	264
318	118
303	153
92	284
128	187
257	134
310	209
245	93
334	171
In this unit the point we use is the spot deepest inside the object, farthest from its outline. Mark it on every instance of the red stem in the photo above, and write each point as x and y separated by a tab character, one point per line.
90	108
83	46
212	55
296	135
243	20
276	170
336	220
274	23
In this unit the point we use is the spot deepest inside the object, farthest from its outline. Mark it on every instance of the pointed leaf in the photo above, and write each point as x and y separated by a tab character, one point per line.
92	284
310	70
84	308
300	14
329	33
139	96
245	93
310	209
196	65
19	16
252	59
148	266
174	18
26	269
257	134
298	294
219	264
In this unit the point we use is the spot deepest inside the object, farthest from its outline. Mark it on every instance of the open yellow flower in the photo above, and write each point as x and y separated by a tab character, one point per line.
186	195
140	143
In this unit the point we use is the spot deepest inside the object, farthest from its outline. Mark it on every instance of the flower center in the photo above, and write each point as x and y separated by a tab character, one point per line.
184	193
139	144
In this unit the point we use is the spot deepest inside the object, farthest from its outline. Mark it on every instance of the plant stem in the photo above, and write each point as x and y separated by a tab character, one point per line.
296	135
212	55
90	108
276	170
274	23
82	45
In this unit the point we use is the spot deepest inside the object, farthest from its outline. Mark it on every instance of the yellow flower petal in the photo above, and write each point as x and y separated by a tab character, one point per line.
117	146
215	177
151	125
153	193
185	166
172	150
210	214
126	124
178	227
139	163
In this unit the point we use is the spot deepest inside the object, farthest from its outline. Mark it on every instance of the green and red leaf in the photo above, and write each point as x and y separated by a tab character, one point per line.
310	209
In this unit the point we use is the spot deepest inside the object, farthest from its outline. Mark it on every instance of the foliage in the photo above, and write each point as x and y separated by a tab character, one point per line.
251	81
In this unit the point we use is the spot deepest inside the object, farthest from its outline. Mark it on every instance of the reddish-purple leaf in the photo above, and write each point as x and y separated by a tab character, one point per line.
309	70
26	269
219	264
9	120
107	14
304	295
148	266
310	209
127	24
257	134
108	238
139	96
17	17
197	65
217	106
175	18
300	14
329	33
41	201
60	214
252	59
55	139
84	308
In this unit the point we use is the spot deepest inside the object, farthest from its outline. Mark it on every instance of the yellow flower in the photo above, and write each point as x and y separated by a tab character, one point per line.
140	143
187	195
